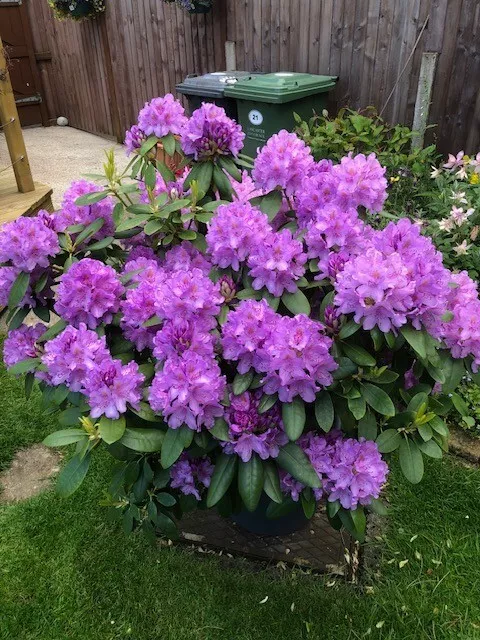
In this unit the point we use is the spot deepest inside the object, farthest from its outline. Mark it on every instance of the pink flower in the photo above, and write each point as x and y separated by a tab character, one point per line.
454	161
162	116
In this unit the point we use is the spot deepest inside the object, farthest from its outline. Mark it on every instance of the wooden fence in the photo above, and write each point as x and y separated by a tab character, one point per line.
102	71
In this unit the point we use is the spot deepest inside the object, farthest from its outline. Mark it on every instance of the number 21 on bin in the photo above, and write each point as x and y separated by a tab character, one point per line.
255	117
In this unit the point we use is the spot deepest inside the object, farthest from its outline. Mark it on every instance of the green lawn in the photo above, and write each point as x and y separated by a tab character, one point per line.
67	573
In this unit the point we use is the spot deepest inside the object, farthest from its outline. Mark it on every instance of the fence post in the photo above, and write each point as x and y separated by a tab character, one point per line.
13	132
424	94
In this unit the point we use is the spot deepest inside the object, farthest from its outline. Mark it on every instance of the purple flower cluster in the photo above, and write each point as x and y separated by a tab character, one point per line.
110	385
298	360
282	163
293	353
188	391
317	190
191	475
190	295
177	336
88	292
245	190
28	243
211	132
245	332
277	263
73	214
162	116
360	181
185	257
73	356
253	432
139	304
20	344
351	471
235	230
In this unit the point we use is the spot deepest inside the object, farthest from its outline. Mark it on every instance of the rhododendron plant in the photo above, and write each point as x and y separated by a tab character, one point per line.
225	336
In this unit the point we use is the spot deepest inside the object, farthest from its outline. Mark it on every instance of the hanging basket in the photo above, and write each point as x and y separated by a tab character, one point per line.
200	8
76	9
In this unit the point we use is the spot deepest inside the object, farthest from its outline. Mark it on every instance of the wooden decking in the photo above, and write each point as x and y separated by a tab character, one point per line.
14	204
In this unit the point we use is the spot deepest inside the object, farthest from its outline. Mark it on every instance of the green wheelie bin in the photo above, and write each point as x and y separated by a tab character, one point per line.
266	103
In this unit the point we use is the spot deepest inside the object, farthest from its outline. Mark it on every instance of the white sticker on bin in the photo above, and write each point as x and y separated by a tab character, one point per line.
255	117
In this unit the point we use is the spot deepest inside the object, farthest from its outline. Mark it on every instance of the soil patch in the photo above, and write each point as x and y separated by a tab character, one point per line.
464	445
29	474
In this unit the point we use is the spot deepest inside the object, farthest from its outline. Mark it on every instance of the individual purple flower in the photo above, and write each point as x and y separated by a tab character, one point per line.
253	432
72	214
245	190
72	356
376	289
180	335
358	473
88	292
142	268
410	380
233	232
191	475
298	359
282	163
139	305
360	182
333	228
331	319
20	344
140	251
190	295
245	332
28	243
111	385
134	138
462	333
8	275
188	391
277	263
185	257
210	132
162	116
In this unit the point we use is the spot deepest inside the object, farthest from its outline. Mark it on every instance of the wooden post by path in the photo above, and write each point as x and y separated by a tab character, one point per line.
10	125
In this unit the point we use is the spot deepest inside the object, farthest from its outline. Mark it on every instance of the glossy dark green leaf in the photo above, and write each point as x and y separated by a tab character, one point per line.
416	339
111	430
293	416
296	302
223	474
357	407
72	475
271	482
24	366
411	460
367	427
242	382
324	411
431	449
292	458
64	437
175	441
143	440
267	402
358	354
220	430
18	289
250	481
91	198
89	231
388	441
378	399
348	329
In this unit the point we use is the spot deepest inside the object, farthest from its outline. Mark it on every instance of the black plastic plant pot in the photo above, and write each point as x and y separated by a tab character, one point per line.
260	524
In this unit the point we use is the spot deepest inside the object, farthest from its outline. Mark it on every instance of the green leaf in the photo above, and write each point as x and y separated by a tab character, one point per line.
250	481
276	510
101	244
454	371
271	483
296	302
222	478
417	401
202	173
270	204
378	507
149	178
293	416
29	381
53	331
359	521
357	407
18	318
345	369
42	312
292	458
89	231
309	504
378	399
143	440
24	366
431	449
175	441
358	355
146	413
91	198
348	329
153	226
220	430
367	427
222	183
416	339
168	143
18	290
70	416
324	411
149	143
167	526
425	431
411	460
388	441
245	294
439	426
166	499
230	167
41	283
72	475
111	430
136	221
242	382
64	437
266	402
458	402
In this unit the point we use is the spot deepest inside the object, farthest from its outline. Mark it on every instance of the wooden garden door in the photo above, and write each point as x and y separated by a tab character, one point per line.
17	39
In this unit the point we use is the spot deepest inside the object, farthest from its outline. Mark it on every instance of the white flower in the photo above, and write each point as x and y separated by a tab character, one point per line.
461	173
435	172
446	224
459	196
462	249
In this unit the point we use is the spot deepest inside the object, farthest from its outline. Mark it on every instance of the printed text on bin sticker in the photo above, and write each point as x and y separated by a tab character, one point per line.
255	117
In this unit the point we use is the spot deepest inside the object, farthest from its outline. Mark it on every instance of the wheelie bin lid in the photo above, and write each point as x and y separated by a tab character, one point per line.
280	87
211	85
